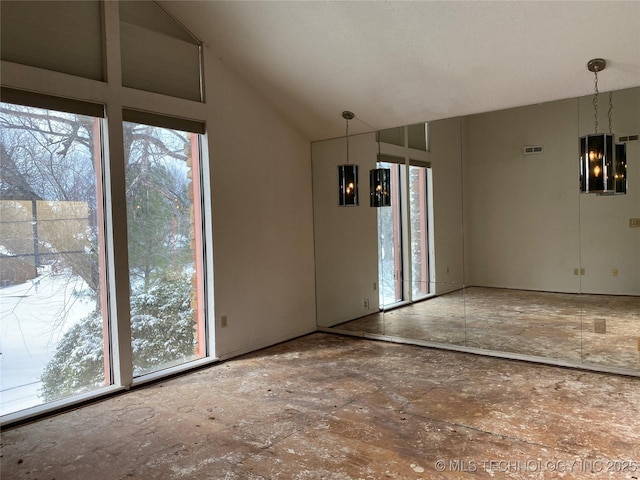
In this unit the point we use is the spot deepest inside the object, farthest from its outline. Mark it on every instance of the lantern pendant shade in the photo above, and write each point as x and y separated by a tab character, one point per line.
348	185
597	166
620	176
380	185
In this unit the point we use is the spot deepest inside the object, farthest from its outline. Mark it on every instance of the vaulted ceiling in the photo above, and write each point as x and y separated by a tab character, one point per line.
396	63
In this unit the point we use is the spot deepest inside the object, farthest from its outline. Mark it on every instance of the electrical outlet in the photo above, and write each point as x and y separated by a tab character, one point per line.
365	303
576	271
634	223
582	271
600	325
614	272
375	286
223	321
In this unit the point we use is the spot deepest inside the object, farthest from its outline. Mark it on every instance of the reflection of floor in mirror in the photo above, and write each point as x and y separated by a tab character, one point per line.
596	329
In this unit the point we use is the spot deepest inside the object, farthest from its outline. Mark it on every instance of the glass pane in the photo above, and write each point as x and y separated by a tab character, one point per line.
165	246
419	234
438	319
394	136
389	243
52	291
417	136
610	329
61	36
158	54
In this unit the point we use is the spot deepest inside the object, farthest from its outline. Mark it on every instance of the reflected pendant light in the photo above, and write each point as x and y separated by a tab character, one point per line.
380	184
601	171
620	178
347	174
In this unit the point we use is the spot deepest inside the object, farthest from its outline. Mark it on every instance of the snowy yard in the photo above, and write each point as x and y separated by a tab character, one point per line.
33	318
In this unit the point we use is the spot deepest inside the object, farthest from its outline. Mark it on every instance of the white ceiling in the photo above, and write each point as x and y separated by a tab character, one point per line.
396	63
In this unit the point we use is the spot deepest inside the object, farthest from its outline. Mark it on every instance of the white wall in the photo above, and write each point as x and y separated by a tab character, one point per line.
445	156
262	218
521	222
526	224
346	248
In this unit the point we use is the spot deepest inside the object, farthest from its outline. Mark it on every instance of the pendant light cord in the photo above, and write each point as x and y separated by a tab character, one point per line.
595	102
347	115
347	136
610	110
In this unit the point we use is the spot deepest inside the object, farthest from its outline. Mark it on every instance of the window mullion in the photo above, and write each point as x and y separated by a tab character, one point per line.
116	211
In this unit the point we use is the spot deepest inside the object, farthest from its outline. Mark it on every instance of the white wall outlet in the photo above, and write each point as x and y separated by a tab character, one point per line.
365	303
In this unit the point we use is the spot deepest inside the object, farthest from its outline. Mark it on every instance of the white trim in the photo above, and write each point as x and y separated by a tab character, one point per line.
404	152
39	80
162	104
176	369
52	407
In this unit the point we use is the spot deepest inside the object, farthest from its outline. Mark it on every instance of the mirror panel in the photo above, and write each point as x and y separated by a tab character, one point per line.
520	263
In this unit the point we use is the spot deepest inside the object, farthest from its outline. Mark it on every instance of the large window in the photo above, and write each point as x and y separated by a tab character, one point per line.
102	256
165	246
56	339
52	265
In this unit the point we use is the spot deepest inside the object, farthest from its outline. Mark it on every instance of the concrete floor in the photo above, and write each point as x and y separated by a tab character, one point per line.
337	407
602	330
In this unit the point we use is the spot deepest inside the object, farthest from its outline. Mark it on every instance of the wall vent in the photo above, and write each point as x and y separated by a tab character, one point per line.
628	138
533	149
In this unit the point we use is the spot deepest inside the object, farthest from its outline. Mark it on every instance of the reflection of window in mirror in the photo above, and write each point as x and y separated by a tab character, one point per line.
412	136
404	231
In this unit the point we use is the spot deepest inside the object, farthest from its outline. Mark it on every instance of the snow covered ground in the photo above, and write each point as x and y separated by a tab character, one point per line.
33	318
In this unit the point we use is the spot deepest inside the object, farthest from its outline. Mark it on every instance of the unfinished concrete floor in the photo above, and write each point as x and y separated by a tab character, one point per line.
334	407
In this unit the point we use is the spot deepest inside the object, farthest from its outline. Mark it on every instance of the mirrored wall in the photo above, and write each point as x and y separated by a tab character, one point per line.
489	246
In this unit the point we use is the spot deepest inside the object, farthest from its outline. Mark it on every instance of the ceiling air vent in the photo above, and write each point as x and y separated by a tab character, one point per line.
628	138
533	149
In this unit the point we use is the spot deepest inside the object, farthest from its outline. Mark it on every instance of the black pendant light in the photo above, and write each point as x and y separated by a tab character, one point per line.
347	174
602	162
380	184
